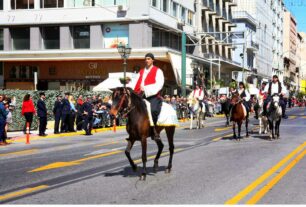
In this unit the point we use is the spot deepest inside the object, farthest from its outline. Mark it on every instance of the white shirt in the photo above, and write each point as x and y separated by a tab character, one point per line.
274	88
247	98
196	94
152	89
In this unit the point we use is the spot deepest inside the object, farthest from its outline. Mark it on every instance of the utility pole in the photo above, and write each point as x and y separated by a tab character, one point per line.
183	74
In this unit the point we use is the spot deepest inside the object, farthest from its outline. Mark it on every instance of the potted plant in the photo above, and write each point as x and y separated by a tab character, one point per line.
125	80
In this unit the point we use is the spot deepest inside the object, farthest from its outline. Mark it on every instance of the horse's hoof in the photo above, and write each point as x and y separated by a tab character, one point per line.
167	171
155	168
247	136
143	177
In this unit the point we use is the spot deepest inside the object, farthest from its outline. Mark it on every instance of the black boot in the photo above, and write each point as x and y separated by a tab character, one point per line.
154	135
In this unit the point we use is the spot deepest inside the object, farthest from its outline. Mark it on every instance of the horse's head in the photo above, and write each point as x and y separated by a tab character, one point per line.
120	100
235	98
275	100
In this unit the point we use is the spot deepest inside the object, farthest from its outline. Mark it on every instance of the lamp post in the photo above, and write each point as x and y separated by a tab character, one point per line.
124	51
194	65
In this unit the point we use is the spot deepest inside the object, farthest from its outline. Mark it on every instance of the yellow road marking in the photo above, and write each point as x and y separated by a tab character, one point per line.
24	152
56	165
219	138
106	144
153	156
22	192
262	178
222	129
304	117
263	191
292	117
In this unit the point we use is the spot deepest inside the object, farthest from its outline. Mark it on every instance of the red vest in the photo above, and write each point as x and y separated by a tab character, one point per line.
150	79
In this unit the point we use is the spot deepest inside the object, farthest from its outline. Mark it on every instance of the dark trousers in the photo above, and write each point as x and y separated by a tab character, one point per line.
29	118
42	125
79	121
56	124
65	122
71	121
88	124
156	104
2	130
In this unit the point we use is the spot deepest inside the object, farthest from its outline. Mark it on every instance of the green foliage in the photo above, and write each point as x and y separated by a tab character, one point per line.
233	84
300	95
18	119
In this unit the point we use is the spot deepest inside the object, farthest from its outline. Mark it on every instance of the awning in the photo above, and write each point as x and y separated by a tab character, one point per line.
113	82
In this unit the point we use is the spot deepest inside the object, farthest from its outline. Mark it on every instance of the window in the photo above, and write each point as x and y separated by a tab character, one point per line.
22	4
165	5
81	37
1	6
154	3
174	9
183	14
20	38
51	3
1	39
190	17
51	37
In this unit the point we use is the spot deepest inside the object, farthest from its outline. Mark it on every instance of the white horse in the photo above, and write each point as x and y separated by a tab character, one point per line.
263	120
196	111
274	116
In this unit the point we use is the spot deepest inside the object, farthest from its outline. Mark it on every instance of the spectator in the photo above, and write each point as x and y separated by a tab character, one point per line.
79	119
57	112
88	116
42	114
9	119
3	116
72	116
65	114
27	110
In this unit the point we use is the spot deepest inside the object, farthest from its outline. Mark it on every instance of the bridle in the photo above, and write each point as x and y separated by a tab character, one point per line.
129	108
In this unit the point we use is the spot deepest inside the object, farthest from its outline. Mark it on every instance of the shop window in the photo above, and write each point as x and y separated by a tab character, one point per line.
51	3
13	72
1	4
21	38
51	37
1	39
1	68
22	72
22	4
81	37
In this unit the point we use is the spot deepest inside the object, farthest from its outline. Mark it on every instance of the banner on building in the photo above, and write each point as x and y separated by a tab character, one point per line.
115	34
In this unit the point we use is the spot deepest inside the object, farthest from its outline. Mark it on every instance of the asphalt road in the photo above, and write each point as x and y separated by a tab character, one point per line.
208	168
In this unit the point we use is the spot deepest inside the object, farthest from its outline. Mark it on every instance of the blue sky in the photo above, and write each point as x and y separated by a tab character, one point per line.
298	9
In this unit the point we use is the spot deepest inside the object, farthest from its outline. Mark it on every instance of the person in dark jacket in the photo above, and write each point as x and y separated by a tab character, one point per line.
3	115
42	114
65	113
87	115
57	112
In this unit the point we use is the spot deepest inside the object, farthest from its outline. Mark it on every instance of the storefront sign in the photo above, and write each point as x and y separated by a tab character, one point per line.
115	34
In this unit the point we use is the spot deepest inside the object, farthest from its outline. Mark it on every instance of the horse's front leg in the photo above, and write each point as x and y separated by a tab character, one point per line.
128	155
277	130
260	125
144	158
227	120
234	130
170	134
191	119
239	130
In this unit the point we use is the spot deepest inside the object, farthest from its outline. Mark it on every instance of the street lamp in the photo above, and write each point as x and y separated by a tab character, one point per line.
124	51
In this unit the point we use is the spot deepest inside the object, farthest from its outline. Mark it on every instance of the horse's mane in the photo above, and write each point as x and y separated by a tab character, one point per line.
137	101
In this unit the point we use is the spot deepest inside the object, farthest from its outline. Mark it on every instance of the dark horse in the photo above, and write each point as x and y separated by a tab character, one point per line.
225	108
238	115
138	127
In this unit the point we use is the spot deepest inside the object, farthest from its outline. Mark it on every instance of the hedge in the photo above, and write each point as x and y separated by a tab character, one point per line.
18	119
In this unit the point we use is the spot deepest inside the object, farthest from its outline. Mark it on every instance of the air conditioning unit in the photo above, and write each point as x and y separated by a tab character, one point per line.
180	24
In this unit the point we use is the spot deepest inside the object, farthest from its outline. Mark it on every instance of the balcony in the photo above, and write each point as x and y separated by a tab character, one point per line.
253	46
244	15
205	4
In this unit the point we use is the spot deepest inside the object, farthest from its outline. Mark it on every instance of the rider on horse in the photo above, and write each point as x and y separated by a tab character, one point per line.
275	87
262	94
198	93
150	82
244	94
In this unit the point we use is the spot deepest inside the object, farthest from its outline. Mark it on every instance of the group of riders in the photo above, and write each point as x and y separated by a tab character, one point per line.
150	82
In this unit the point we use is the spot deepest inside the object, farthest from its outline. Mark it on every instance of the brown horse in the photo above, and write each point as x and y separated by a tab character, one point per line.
138	127
238	115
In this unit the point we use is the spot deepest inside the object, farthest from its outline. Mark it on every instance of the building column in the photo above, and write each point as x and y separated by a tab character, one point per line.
96	37
35	38
140	35
6	5
65	38
7	40
36	4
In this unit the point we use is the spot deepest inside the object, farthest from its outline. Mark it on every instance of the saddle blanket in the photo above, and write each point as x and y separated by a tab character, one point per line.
167	116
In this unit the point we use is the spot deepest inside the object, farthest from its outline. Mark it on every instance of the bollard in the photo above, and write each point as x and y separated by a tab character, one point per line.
28	133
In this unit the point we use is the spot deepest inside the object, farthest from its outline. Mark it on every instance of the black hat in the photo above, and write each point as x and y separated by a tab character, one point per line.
58	95
67	94
275	76
150	55
42	94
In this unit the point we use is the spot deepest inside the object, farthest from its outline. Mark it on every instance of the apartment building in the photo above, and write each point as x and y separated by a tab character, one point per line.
290	50
72	43
302	65
269	34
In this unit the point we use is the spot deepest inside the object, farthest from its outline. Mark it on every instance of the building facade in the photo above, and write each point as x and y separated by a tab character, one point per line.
302	65
72	43
269	34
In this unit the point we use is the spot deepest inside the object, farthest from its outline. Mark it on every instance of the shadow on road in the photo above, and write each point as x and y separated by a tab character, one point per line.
128	172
